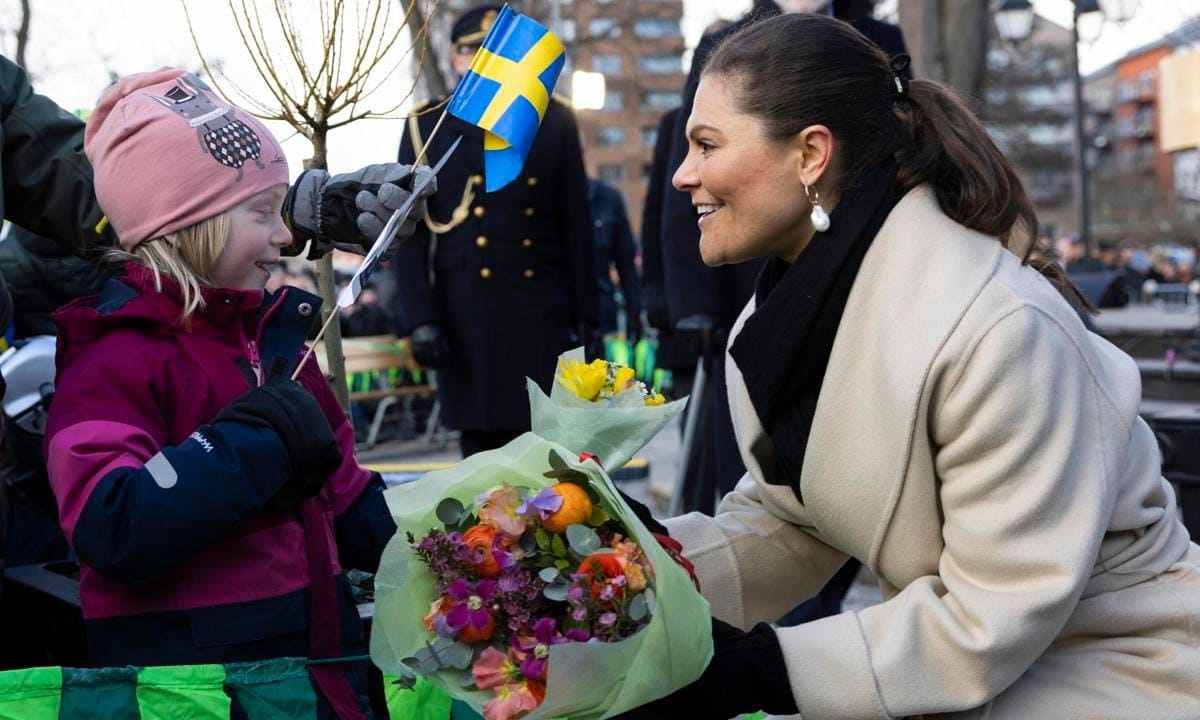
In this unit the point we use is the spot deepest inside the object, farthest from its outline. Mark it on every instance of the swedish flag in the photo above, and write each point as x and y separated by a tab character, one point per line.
506	92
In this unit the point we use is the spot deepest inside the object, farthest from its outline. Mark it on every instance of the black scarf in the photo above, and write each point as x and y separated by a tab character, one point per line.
784	346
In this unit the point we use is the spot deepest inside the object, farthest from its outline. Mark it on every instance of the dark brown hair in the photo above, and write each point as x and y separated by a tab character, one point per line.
798	70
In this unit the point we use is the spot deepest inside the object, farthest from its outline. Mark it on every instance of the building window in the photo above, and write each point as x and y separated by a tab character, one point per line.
614	100
660	99
656	27
606	64
649	136
604	27
610	136
660	64
611	173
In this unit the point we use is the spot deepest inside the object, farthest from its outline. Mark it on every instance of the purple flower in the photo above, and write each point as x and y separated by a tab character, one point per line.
607	619
471	604
575	594
579	614
537	648
578	635
545	503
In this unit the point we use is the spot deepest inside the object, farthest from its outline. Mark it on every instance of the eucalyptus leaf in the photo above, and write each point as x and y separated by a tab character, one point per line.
549	574
407	679
637	607
583	539
556	461
562	474
466	679
556	592
450	511
651	600
459	655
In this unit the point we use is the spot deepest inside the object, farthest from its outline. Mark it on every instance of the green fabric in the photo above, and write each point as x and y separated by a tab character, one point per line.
587	681
462	711
32	694
99	694
183	692
270	689
423	702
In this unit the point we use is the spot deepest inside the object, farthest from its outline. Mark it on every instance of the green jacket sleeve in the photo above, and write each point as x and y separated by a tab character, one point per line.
47	180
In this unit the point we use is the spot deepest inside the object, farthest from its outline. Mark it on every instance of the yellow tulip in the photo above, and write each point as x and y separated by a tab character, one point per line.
654	399
624	379
583	379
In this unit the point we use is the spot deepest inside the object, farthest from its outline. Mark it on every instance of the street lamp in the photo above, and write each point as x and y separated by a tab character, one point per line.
1014	23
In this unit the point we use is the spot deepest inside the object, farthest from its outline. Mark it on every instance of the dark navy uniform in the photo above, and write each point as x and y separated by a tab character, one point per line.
508	276
614	245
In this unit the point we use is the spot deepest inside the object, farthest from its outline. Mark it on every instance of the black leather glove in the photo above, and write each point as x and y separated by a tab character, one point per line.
747	674
289	409
643	513
429	345
348	211
701	333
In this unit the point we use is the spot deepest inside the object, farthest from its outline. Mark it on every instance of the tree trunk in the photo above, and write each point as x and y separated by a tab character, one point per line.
948	41
23	33
335	358
431	70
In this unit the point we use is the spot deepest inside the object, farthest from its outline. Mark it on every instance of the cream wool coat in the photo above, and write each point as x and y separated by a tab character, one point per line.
981	453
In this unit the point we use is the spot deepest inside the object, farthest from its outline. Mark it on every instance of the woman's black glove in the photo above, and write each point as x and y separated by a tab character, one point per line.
747	674
289	409
643	513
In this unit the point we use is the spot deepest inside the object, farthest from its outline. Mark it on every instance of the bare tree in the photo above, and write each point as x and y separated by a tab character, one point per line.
23	33
316	85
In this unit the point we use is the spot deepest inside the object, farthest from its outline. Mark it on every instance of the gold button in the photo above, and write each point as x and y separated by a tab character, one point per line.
477	179
527	243
485	273
479	211
481	241
528	273
532	181
528	212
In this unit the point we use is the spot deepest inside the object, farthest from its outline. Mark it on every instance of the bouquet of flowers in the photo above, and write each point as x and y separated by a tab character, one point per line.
521	583
599	408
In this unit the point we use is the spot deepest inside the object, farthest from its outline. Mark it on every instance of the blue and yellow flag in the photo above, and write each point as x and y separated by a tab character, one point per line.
507	90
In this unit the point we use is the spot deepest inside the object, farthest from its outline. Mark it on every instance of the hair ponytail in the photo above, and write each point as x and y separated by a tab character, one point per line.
799	70
975	184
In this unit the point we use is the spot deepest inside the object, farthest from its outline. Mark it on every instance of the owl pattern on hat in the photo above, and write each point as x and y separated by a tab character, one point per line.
222	135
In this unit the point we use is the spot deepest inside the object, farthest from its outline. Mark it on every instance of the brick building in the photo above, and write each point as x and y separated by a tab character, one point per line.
638	46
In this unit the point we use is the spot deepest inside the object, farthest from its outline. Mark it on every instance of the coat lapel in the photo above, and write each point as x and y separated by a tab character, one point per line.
915	284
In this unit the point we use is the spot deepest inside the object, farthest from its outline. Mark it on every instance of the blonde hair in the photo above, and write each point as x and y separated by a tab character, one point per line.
187	256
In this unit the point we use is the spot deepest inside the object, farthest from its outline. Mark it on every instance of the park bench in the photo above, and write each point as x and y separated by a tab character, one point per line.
381	368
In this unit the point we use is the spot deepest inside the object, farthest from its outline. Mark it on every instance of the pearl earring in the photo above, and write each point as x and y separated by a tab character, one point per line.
819	218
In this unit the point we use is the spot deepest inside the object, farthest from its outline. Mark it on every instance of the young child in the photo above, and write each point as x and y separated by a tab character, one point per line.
212	502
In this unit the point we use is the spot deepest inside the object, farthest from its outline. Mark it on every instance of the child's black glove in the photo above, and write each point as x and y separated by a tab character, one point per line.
289	409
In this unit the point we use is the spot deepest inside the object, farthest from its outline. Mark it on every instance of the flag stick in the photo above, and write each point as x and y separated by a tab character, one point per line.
334	310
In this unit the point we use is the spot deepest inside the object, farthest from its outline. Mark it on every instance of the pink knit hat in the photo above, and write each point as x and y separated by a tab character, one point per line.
168	153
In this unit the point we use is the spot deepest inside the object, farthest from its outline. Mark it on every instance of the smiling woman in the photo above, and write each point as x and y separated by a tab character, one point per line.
911	388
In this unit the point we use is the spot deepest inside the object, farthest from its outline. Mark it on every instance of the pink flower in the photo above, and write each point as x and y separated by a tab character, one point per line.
493	669
500	511
510	701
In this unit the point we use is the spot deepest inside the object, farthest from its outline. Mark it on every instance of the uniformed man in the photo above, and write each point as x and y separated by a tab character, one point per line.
494	286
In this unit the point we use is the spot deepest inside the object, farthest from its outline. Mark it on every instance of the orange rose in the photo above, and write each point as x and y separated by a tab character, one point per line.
598	569
480	539
576	507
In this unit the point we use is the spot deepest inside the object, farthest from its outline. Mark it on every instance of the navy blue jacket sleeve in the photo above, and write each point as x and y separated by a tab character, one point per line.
140	520
365	528
413	306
